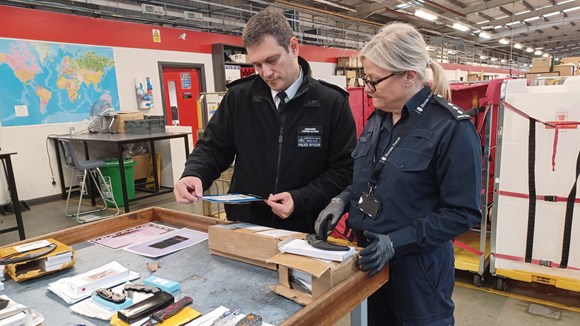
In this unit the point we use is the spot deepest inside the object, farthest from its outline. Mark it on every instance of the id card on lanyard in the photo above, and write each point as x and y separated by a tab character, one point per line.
367	202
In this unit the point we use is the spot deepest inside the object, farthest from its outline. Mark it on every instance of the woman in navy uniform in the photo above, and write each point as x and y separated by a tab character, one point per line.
416	183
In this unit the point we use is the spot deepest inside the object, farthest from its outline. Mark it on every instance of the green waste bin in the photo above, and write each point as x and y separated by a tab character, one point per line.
111	170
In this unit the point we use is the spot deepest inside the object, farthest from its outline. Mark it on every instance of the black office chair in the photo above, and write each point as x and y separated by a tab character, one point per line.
91	168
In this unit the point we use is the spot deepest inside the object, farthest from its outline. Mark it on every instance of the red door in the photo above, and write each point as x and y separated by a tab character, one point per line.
181	86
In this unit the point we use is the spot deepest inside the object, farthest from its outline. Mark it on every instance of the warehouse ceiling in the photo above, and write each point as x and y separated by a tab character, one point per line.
502	33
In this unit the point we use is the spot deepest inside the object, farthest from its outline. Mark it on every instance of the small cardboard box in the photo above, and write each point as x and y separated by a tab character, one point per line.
122	116
565	69
60	258
247	242
350	74
323	275
240	58
348	62
141	167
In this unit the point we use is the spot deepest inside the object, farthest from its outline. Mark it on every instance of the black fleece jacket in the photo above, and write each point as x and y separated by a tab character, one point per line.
304	149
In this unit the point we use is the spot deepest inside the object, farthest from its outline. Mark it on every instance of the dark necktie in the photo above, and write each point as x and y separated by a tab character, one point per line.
282	97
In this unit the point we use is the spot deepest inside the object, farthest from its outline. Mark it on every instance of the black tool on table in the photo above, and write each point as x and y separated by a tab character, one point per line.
168	312
4	303
31	254
315	242
130	288
146	307
111	296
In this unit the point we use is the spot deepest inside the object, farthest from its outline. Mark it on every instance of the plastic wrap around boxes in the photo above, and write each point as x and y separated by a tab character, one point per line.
149	125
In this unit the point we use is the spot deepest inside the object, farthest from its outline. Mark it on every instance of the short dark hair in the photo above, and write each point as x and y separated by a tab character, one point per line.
265	23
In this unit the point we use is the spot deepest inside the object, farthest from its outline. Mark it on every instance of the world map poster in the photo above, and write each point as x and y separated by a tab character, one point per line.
43	83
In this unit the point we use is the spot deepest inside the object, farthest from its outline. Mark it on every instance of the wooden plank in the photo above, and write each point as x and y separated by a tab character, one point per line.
188	220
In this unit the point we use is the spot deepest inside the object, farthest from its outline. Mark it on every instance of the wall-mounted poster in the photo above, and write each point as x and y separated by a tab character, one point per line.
43	82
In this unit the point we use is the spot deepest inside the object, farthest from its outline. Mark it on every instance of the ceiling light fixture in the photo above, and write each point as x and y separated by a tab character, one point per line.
538	52
529	50
518	46
545	55
425	15
504	41
485	35
336	5
460	27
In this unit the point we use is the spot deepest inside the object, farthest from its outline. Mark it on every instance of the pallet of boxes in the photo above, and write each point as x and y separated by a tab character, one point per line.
349	67
568	66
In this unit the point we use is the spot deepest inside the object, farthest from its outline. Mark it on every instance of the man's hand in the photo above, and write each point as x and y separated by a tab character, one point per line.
188	190
282	204
377	254
328	218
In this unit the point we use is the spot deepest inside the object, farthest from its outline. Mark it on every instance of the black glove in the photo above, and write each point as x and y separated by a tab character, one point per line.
377	254
328	218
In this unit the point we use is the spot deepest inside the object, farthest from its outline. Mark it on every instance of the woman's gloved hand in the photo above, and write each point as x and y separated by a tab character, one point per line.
328	218
377	254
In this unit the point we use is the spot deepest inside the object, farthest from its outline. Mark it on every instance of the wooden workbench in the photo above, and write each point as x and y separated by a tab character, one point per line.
210	280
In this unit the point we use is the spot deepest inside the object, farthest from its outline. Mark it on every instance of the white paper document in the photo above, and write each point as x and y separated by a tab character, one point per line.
301	247
168	242
75	288
131	236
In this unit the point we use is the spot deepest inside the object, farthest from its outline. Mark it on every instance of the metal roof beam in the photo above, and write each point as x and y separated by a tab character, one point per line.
537	13
483	5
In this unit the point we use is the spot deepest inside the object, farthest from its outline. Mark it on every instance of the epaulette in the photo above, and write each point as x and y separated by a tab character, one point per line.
335	87
457	112
241	80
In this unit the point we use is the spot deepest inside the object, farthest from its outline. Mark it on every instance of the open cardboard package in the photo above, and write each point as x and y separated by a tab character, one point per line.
62	257
247	242
320	276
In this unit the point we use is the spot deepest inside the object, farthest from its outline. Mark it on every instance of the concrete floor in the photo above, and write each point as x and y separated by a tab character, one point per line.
522	304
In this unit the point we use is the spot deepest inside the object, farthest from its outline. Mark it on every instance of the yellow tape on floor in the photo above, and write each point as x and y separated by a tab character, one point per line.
519	297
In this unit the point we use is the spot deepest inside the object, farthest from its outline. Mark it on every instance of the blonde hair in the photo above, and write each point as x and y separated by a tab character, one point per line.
399	47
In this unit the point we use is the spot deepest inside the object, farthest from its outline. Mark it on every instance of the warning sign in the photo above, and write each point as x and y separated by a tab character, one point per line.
156	36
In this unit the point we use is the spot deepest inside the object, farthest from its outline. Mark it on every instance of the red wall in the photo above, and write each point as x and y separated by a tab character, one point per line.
54	27
40	25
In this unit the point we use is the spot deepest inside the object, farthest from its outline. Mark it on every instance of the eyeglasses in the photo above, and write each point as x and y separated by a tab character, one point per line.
372	84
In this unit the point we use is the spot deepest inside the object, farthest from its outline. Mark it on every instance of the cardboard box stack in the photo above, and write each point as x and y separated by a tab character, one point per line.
565	69
541	64
349	62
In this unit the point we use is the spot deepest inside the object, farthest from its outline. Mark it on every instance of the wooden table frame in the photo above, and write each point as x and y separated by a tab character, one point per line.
326	310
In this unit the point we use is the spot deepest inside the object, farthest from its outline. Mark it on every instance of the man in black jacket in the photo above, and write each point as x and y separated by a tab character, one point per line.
291	136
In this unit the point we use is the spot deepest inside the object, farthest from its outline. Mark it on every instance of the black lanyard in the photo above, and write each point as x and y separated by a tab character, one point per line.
403	131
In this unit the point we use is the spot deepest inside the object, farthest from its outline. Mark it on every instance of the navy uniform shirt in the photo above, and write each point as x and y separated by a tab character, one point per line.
430	186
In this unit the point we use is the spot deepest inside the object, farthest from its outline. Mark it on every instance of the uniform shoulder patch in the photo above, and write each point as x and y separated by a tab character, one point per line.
457	112
338	88
241	80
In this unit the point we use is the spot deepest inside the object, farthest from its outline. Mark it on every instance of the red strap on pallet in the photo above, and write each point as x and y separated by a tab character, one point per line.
466	247
545	263
525	115
539	197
